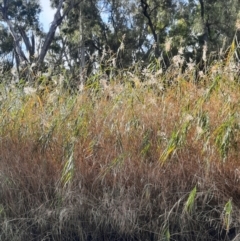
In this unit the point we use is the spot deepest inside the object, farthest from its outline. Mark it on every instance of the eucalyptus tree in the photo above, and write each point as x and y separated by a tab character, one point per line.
127	32
22	20
84	27
213	22
112	32
6	47
20	17
158	15
202	28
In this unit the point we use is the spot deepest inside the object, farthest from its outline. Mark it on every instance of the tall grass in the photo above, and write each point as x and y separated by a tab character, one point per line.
118	161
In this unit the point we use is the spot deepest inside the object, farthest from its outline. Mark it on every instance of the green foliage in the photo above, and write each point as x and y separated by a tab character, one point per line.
140	28
227	215
225	135
68	169
190	201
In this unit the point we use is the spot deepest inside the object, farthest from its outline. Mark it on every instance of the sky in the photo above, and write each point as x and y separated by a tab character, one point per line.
46	16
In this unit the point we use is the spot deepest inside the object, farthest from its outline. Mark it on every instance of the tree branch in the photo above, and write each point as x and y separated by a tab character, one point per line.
145	12
16	39
26	41
58	18
15	36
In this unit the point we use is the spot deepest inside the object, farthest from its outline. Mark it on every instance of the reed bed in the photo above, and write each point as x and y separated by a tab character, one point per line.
152	158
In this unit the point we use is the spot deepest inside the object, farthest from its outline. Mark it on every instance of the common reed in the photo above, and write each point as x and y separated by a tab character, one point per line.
134	158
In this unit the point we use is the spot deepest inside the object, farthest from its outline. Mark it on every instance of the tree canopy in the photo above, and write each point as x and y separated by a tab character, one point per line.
93	33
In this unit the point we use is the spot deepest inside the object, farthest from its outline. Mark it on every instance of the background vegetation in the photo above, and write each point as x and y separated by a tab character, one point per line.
140	142
84	34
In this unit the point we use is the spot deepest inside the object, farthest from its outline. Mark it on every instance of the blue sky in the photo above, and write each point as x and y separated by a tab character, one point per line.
47	14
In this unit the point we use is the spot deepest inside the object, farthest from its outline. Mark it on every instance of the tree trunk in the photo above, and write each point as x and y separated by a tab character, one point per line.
29	43
145	11
58	18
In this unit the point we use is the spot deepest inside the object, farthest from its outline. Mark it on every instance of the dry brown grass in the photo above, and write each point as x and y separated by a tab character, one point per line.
122	166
